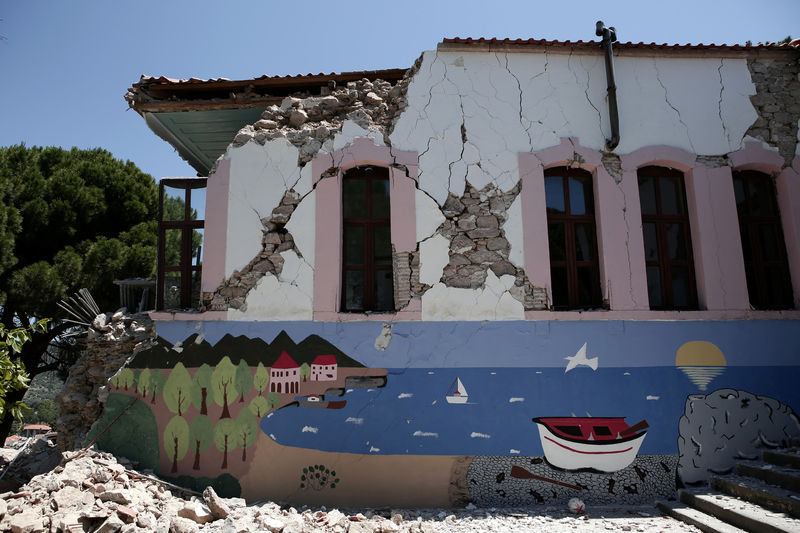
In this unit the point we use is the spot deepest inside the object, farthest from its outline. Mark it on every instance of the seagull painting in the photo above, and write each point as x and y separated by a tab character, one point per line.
579	359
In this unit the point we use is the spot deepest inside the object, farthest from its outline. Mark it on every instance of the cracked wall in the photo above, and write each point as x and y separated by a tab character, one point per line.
468	116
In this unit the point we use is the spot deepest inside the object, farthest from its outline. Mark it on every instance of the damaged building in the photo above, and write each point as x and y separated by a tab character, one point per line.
525	260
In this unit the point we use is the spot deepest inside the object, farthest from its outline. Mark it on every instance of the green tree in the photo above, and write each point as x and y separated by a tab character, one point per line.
261	379
13	377
305	371
244	379
200	385
258	406
225	438
68	219
178	389
246	431
156	381
125	378
176	440
201	433
46	412
273	398
222	384
142	386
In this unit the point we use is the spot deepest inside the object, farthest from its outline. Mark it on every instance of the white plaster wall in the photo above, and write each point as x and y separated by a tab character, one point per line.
513	231
433	257
302	227
260	175
493	302
519	102
428	216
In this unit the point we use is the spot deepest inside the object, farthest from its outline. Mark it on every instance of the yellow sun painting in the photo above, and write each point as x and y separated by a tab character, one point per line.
701	361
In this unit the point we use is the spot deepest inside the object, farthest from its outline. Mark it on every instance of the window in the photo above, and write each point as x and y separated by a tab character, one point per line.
367	283
180	239
765	261
667	239
574	266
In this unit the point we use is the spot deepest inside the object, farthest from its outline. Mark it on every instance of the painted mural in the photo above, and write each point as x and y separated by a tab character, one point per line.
256	413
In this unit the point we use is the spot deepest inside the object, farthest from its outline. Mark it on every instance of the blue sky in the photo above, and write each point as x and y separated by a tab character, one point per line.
65	66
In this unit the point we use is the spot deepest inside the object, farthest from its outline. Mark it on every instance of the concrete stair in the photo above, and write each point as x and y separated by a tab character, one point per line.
760	497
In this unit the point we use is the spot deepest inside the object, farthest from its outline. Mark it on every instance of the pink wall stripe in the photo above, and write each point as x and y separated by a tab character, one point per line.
216	227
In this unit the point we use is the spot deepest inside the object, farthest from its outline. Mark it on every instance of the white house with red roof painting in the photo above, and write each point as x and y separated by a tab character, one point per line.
324	368
284	376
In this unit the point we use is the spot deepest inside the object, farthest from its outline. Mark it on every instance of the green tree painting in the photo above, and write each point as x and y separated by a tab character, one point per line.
261	379
125	379
246	431
176	440
143	385
243	380
200	385
225	438
157	381
201	434
178	389
273	398
258	406
222	384
305	371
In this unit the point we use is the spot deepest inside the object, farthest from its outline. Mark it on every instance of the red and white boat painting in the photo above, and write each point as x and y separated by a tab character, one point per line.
457	393
604	444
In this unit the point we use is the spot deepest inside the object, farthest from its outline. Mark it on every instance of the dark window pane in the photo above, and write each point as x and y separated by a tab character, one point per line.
197	246
738	190
383	244
354	290
380	198
354	196
779	290
172	290
744	230
354	245
588	287
384	290
574	431
554	194
762	196
584	242
647	195
650	242
581	199
555	234
602	431
770	250
680	286
676	241
671	196
654	286
558	276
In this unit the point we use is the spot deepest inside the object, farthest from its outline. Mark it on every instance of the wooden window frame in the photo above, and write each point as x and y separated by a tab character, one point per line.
570	262
756	267
369	266
661	220
187	226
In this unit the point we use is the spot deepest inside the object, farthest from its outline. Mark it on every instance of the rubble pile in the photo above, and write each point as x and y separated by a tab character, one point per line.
91	491
112	339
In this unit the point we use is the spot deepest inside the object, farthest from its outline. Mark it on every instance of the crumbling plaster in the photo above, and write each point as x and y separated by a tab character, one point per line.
468	117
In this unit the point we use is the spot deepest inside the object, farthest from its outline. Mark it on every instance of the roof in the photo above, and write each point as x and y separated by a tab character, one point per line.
324	360
42	427
200	117
592	45
285	361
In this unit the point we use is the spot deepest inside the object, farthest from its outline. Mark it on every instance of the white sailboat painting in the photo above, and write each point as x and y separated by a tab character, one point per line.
457	393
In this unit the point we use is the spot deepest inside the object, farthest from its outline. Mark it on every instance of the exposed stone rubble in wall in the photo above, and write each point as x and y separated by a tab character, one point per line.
777	101
111	341
478	243
713	161
233	291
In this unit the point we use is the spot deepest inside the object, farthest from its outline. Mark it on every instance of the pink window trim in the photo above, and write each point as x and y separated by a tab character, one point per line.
611	220
216	227
328	242
787	180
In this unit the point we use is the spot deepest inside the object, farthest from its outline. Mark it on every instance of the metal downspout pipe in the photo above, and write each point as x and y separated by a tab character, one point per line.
610	36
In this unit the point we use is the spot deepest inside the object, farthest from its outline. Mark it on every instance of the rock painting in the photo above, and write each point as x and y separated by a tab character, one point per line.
701	361
603	444
318	477
728	424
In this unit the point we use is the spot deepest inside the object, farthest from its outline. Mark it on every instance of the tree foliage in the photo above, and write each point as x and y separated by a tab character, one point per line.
246	431
225	438
243	379
258	406
68	219
201	433
13	377
200	385
156	384
176	440
261	378
222	384
178	389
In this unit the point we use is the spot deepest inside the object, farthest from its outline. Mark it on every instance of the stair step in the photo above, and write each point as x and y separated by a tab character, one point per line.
758	492
702	521
785	477
782	458
741	514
